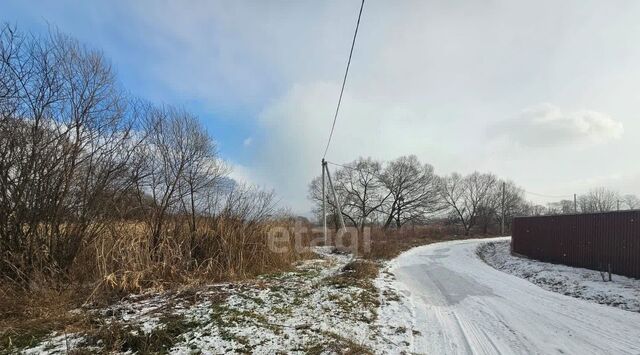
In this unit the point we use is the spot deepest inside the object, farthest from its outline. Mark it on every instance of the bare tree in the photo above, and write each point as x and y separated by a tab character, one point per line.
413	189
631	202
363	192
465	196
178	161
503	195
599	200
65	134
561	207
202	173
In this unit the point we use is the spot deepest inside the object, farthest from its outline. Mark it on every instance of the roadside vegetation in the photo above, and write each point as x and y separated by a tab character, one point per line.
103	194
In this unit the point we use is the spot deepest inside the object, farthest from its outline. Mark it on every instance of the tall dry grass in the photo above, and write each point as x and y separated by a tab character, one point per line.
118	262
221	249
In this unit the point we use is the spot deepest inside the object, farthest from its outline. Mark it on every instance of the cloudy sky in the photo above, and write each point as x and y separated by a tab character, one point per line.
546	93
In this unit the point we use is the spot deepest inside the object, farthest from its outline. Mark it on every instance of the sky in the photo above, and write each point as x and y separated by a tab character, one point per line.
544	93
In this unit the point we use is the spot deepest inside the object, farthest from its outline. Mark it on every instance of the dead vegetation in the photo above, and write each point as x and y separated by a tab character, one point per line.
384	244
103	194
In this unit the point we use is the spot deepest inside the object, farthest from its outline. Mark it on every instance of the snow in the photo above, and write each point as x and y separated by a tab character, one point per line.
59	344
458	304
621	292
290	312
441	299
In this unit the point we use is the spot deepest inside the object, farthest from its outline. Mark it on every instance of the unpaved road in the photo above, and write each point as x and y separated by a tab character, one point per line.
460	305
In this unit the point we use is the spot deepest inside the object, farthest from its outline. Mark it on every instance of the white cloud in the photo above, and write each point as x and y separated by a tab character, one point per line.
427	78
241	174
549	126
298	125
247	141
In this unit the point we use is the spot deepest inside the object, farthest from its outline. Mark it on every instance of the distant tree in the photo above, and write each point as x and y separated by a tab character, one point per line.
599	200
631	202
466	195
363	192
413	190
513	201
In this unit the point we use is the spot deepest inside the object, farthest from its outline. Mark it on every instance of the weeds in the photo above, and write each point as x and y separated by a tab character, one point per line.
118	337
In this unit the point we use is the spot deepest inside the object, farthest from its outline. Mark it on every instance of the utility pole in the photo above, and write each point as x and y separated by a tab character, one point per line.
324	206
575	203
335	197
502	224
618	205
400	202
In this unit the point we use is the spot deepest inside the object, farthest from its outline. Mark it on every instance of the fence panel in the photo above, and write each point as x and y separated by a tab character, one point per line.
592	241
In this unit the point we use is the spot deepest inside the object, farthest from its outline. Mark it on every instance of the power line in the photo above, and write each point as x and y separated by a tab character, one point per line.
344	81
340	165
548	196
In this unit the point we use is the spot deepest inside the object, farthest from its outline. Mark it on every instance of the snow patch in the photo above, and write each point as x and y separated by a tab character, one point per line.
622	292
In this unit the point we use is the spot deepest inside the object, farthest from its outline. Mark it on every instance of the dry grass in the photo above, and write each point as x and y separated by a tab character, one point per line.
28	316
119	262
386	245
361	269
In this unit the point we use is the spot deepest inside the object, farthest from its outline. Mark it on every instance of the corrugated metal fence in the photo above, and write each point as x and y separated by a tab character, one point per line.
591	241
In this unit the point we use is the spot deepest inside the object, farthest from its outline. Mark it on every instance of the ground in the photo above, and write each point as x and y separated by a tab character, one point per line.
326	305
460	305
440	298
622	292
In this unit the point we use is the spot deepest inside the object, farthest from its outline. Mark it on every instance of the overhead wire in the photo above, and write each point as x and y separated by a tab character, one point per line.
344	81
548	196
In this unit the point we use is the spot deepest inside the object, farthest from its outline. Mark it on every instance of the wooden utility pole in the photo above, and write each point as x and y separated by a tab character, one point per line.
324	206
503	214
575	203
400	202
335	197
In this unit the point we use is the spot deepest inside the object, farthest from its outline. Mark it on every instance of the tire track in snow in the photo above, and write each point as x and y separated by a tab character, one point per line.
461	305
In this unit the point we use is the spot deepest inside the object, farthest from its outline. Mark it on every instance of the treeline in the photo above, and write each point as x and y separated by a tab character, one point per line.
407	191
98	185
597	200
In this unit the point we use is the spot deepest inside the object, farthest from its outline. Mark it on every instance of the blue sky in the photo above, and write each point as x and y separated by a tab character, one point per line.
545	93
117	30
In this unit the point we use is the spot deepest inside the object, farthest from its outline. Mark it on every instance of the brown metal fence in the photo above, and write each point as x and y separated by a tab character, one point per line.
592	241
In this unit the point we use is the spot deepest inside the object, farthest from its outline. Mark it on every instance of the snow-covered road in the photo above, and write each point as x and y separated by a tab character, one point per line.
459	304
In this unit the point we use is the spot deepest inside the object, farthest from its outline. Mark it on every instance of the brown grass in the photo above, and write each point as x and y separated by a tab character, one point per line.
386	245
119	262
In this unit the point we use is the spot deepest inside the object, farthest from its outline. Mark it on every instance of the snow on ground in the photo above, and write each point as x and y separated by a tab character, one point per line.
60	344
436	299
459	305
312	309
622	292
